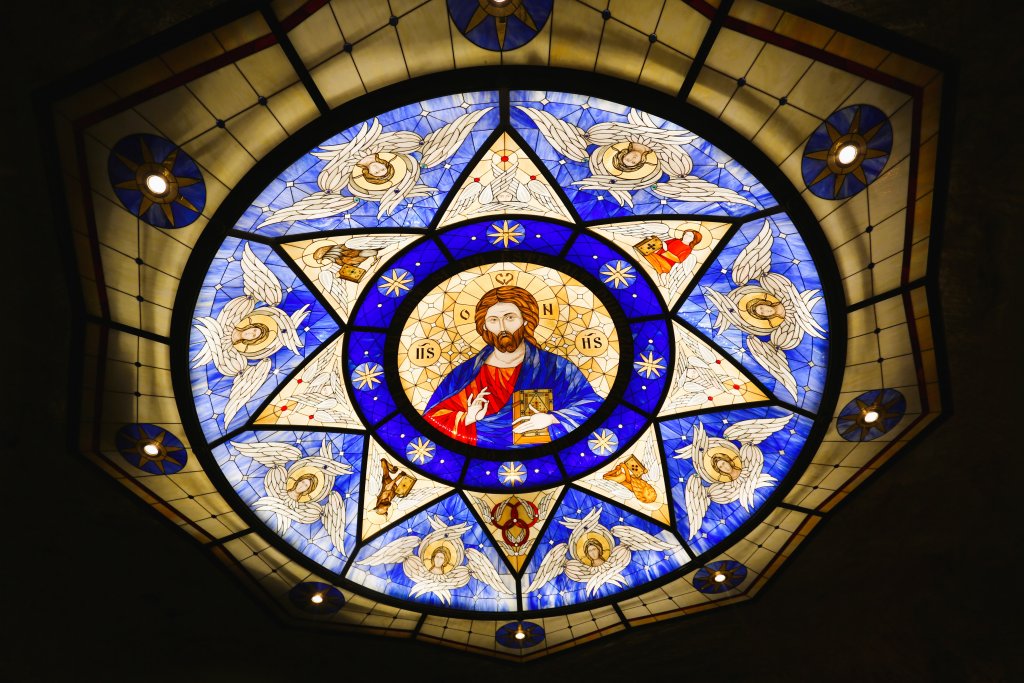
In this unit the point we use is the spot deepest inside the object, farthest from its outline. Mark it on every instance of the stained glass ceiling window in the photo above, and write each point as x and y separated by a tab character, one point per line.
500	348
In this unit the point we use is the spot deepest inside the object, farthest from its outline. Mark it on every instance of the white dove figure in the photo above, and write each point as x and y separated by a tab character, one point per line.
774	307
504	191
591	556
732	474
435	562
631	156
377	166
243	332
694	378
303	490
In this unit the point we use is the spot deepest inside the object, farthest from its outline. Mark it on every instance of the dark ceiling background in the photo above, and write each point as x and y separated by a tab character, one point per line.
915	577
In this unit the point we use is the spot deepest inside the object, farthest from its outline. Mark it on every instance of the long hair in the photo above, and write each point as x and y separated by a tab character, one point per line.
523	300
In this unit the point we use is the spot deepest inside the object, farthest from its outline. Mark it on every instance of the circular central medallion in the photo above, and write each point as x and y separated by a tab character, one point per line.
508	355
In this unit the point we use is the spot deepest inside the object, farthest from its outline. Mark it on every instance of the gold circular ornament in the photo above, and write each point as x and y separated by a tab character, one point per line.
306	483
254	333
834	159
424	352
452	556
378	172
761	310
722	463
596	539
592	342
630	160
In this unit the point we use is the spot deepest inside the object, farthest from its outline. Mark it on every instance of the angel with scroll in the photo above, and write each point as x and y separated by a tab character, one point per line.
724	473
434	563
772	308
300	488
631	156
377	166
591	556
244	332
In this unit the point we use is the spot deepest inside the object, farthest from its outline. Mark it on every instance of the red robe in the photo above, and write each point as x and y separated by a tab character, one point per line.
674	252
450	414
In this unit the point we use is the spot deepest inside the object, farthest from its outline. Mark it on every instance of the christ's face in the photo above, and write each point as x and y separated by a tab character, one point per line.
503	327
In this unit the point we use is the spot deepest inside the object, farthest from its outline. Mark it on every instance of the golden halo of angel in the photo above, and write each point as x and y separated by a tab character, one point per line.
300	488
244	331
772	307
377	166
724	472
630	156
434	563
591	555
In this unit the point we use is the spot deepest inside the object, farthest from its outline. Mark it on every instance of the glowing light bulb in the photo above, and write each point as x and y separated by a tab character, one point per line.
316	599
156	184
499	3
871	416
520	634
151	449
847	154
719	577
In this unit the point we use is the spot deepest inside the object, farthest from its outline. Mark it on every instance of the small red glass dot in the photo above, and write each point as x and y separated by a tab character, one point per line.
504	158
533	177
476	180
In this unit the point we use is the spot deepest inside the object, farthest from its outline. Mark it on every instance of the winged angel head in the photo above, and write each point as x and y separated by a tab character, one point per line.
240	340
434	563
377	166
723	472
591	555
300	488
766	304
631	156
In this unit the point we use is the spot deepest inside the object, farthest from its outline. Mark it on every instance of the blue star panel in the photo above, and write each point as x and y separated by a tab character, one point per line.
479	238
484	474
790	258
643	565
652	346
300	180
496	28
223	283
390	577
708	162
439	462
624	424
378	306
365	375
247	477
780	450
620	275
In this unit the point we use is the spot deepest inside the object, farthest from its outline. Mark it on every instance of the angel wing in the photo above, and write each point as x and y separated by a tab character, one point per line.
393	553
540	195
269	454
406	188
245	386
481	569
333	285
447	139
773	359
440	585
341	157
275	481
650	459
218	348
638	230
697	503
755	431
375	242
311	207
679	275
693	189
551	566
581	526
727	314
756	258
798	306
568	140
545	504
698	445
637	539
333	518
258	281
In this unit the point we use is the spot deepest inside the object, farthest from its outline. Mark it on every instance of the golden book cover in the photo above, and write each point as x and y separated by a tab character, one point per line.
526	402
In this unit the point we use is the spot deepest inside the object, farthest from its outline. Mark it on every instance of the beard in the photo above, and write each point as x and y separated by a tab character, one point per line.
505	342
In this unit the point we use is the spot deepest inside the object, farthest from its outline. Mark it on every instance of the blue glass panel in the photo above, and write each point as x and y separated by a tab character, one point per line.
652	358
506	235
623	278
466	548
409	444
365	370
491	28
246	473
224	284
392	284
536	472
405	204
780	443
614	434
649	558
658	193
789	259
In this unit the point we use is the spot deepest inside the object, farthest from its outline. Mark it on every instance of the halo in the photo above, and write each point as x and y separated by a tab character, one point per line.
268	337
726	452
398	169
602	538
648	166
319	490
705	234
452	555
754	297
307	253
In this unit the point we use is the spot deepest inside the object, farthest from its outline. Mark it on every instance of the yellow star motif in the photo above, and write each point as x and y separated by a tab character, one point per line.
396	282
512	473
618	274
505	233
367	376
649	366
420	451
603	442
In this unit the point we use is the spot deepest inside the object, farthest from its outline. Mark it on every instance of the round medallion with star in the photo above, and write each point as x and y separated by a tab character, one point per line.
151	448
499	25
157	181
847	152
871	415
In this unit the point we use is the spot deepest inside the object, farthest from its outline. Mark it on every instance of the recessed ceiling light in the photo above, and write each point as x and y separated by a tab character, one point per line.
847	154
871	416
151	449
156	183
317	598
520	634
719	577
